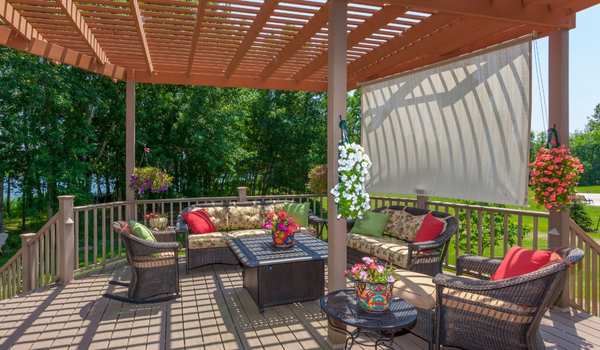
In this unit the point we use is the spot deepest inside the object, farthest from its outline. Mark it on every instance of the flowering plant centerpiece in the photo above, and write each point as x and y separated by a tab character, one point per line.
554	176
150	180
350	194
282	228
156	221
373	283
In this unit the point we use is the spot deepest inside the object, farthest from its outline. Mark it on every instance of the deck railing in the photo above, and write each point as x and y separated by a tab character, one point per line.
480	228
583	278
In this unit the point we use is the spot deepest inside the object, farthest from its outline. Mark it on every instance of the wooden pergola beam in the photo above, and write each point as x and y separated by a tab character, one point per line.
139	23
59	54
14	20
379	20
74	15
200	12
513	11
261	19
308	31
412	35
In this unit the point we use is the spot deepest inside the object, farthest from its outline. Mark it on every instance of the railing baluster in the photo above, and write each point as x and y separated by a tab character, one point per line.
479	232
588	278
120	213
520	230
579	276
505	230
95	237
76	238
53	251
171	219
112	232
104	234
535	232
468	229
492	235
42	259
86	232
595	294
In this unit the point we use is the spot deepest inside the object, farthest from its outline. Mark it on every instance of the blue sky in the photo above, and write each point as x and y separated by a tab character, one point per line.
584	71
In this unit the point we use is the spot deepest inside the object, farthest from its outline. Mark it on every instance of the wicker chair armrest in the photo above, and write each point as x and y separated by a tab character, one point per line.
427	245
143	247
473	264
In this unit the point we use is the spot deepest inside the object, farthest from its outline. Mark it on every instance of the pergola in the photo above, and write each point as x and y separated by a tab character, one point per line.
309	45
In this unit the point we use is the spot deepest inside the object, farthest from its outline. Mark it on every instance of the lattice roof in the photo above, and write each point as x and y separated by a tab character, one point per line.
280	44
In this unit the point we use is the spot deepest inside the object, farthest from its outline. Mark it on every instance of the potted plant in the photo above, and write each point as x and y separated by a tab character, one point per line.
282	228
156	221
373	283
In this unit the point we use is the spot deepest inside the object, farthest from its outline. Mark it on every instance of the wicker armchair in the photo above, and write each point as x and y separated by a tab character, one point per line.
154	270
504	314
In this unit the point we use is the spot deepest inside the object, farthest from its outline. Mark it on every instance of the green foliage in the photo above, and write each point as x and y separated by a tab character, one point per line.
486	227
586	146
581	216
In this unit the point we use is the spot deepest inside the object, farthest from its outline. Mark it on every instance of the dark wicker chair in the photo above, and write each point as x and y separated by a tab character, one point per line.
424	257
154	270
505	314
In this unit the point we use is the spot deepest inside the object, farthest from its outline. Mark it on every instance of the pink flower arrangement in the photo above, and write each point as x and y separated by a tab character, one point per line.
554	176
369	270
282	227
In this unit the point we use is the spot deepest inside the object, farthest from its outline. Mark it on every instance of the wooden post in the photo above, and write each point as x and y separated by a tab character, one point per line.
130	147
242	194
558	69
336	108
422	201
30	261
66	239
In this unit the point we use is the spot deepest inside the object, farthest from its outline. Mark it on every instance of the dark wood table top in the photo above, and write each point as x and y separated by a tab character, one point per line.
259	250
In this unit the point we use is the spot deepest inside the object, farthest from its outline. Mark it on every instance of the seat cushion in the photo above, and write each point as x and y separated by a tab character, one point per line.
244	217
391	250
363	244
402	225
247	233
416	288
208	240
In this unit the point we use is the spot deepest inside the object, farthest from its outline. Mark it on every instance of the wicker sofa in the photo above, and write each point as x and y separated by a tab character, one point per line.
231	221
424	257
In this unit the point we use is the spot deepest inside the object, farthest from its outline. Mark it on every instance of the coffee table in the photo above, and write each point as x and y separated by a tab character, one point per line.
378	328
276	276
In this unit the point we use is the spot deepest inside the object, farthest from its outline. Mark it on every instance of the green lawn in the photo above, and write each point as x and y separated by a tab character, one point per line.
588	189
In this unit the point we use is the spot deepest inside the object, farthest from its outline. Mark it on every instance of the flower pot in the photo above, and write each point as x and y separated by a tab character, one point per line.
282	239
373	297
158	223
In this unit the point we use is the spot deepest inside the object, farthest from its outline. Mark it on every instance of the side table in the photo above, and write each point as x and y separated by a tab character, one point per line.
378	328
167	235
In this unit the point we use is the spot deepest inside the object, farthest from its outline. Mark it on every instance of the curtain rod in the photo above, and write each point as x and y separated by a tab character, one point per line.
496	47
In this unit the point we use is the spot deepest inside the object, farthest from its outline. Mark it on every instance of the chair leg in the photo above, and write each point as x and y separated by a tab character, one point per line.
118	283
133	301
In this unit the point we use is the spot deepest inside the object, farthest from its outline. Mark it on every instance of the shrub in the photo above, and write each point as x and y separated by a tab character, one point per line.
580	216
317	179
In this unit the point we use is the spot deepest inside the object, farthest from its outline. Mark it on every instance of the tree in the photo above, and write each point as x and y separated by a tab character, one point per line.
586	146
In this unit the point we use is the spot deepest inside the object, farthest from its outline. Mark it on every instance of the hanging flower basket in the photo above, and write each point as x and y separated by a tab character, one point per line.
150	180
554	176
350	194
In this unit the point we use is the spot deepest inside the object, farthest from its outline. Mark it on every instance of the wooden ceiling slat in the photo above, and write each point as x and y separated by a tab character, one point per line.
16	21
135	10
261	19
200	13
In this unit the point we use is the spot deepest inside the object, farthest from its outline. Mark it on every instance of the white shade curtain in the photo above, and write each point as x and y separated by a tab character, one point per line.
458	130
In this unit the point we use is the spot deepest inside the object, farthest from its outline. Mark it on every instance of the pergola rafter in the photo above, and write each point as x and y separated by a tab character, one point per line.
74	15
139	22
311	28
200	11
16	21
260	20
372	24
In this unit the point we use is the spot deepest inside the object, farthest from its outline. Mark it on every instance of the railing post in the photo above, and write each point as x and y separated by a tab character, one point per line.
30	261
66	239
242	194
422	201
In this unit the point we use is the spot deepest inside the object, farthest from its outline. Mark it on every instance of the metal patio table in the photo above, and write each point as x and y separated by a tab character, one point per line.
276	276
379	328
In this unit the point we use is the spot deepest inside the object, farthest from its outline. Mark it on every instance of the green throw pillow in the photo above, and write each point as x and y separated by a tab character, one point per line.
298	212
141	231
372	224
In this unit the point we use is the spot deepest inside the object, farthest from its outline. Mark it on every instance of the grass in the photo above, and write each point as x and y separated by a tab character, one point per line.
588	189
12	226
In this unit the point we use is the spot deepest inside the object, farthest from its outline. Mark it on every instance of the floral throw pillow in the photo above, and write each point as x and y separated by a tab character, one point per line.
402	225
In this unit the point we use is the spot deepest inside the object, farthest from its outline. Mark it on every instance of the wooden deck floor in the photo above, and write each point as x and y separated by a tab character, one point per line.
214	312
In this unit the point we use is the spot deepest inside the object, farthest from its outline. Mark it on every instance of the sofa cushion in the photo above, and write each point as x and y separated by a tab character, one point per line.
402	225
392	250
244	217
298	212
247	233
520	261
208	240
430	228
372	224
363	244
416	288
141	231
218	216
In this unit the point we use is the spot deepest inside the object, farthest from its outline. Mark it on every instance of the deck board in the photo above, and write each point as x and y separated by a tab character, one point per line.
214	312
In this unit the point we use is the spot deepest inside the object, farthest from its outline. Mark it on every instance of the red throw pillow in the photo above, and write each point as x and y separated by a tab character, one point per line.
519	261
199	222
430	229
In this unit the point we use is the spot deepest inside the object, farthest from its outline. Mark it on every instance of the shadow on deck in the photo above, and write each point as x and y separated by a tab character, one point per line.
214	312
